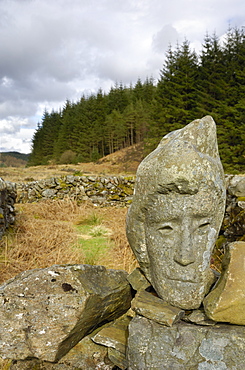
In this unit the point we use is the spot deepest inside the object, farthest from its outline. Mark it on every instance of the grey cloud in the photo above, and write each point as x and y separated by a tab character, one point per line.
166	36
52	50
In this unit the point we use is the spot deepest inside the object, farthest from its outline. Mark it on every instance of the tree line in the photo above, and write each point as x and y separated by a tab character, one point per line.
190	86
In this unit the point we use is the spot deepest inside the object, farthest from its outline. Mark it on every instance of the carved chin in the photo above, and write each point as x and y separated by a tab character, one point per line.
186	295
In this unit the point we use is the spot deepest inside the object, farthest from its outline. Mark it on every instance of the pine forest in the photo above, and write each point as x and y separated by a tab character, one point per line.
190	86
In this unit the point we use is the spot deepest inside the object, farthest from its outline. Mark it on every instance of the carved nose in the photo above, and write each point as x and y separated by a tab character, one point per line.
184	250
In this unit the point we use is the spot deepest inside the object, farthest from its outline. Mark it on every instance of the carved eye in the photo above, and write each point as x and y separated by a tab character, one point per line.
204	225
167	229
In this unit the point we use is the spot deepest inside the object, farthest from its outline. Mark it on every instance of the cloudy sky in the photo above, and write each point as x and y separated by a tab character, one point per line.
53	50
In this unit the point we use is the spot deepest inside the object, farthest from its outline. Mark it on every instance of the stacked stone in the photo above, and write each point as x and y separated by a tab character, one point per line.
47	312
233	227
7	200
101	190
172	239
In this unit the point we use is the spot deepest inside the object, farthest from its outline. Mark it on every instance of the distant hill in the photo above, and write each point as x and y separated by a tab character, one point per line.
126	159
13	159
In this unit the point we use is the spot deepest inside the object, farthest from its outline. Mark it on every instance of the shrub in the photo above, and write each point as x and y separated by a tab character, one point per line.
68	157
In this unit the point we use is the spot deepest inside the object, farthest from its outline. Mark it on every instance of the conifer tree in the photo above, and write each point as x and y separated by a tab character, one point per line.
177	94
188	88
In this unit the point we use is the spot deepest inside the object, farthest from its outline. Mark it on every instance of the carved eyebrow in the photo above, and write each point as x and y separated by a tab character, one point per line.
202	209
163	220
205	213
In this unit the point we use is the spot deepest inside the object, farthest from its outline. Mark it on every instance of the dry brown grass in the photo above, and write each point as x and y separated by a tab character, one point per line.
26	174
122	255
45	235
124	161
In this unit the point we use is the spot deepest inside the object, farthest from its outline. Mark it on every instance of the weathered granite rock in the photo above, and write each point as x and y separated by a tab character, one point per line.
115	338
226	302
154	308
184	346
177	211
46	312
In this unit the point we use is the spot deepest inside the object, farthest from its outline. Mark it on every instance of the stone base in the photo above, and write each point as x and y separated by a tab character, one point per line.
185	346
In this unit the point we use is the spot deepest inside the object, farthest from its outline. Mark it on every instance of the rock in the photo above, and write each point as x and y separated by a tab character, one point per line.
85	355
199	317
46	312
184	346
176	213
51	182
234	221
115	338
241	204
7	200
99	190
118	358
137	280
236	186
226	302
49	193
154	308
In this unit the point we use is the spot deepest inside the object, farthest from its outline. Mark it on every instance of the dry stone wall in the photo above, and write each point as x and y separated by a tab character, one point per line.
110	190
100	190
7	200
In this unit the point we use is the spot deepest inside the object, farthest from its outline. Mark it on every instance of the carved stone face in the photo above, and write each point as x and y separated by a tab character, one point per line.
180	233
177	211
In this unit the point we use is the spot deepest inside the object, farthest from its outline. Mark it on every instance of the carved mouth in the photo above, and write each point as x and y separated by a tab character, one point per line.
184	279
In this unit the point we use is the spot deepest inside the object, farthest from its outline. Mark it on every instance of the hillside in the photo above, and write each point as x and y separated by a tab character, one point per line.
13	159
124	162
126	159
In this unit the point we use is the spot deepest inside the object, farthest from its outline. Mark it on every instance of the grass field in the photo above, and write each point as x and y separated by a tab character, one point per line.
61	232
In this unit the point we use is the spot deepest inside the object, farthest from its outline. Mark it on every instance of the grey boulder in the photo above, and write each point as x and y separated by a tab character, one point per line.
46	312
184	346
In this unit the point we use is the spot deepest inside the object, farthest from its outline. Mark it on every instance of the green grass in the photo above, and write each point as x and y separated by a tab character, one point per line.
92	219
93	239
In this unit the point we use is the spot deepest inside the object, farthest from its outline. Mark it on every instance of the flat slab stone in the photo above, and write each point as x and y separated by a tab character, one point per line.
226	302
46	312
137	280
199	317
185	346
154	308
115	338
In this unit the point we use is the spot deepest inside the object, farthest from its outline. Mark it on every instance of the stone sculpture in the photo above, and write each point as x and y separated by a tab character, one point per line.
177	211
